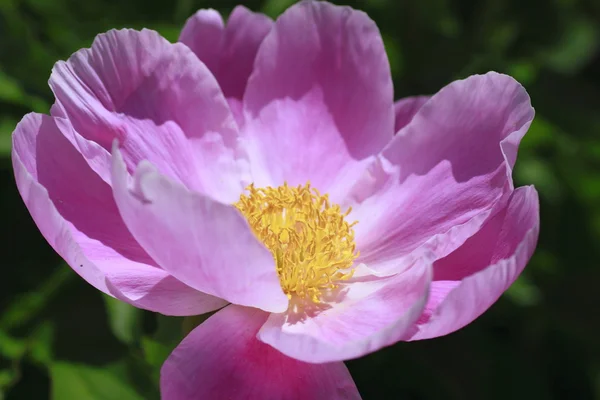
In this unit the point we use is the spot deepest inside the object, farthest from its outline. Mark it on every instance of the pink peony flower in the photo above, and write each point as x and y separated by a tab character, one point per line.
262	168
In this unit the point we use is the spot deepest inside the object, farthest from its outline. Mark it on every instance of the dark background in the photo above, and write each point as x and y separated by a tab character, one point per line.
62	339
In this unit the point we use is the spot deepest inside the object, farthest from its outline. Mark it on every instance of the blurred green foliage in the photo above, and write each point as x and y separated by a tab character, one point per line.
61	339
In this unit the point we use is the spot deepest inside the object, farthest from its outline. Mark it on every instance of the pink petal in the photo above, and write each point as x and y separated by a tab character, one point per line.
159	100
75	212
237	110
475	123
325	93
296	141
444	173
228	51
203	243
471	279
156	290
438	291
371	314
406	108
203	33
221	359
96	156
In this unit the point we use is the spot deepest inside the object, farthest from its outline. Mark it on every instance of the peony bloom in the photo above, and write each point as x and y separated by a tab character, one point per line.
261	169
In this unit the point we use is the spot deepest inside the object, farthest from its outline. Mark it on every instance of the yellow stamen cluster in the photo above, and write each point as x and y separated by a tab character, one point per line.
313	246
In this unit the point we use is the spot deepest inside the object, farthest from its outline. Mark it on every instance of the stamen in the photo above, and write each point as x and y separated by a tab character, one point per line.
313	246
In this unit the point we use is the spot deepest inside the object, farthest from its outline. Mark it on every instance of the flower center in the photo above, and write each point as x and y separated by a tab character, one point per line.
313	246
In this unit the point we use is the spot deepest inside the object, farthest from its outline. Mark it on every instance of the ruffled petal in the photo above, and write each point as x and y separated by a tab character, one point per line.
205	244
75	211
406	108
317	101
222	359
227	50
156	290
471	279
365	316
159	101
443	174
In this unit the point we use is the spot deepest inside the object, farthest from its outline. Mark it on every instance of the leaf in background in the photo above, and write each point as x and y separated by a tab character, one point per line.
7	125
275	7
82	382
7	378
169	331
183	10
40	343
125	320
524	293
157	347
394	52
577	47
532	167
539	173
12	92
10	347
155	353
27	306
37	346
525	71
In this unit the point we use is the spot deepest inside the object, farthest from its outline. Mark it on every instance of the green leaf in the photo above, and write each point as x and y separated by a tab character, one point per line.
41	342
275	7
82	382
577	47
7	125
38	346
155	353
7	378
394	52
169	330
25	307
539	173
524	293
10	347
125	320
12	92
524	71
157	347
